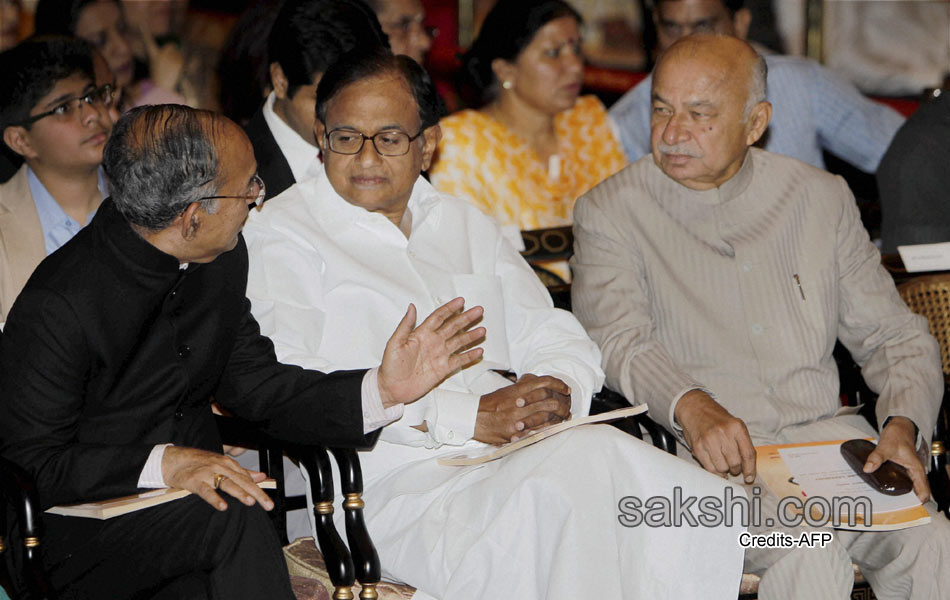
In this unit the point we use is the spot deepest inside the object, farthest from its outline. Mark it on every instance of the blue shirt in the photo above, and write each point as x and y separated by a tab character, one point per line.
58	227
812	110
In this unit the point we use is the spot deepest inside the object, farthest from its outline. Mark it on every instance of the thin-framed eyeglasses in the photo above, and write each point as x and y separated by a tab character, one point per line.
258	197
386	143
72	108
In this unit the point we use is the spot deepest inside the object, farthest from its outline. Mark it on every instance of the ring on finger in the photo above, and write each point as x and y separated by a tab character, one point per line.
218	478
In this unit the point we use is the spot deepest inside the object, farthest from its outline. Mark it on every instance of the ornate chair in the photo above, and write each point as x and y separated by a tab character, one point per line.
21	566
328	560
542	248
23	577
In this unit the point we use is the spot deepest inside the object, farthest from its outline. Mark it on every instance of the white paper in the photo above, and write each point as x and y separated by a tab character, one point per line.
925	257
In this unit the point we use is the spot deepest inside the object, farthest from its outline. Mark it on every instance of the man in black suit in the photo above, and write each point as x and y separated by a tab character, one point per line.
307	37
113	349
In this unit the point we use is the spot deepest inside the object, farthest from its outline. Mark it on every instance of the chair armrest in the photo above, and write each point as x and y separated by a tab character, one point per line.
939	476
17	489
365	557
337	557
345	566
607	400
662	439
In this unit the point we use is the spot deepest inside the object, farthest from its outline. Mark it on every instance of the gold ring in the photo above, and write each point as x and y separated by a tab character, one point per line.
218	478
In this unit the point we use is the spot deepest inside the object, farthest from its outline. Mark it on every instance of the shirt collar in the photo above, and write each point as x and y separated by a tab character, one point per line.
300	154
336	213
730	189
58	227
131	248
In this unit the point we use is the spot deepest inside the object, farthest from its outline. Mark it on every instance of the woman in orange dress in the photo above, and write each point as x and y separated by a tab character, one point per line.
533	147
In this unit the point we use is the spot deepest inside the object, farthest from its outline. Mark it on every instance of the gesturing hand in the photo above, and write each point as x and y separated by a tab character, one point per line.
898	443
418	359
196	470
720	442
531	403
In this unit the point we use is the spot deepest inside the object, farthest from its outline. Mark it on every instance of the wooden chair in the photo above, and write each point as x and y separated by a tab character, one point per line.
544	247
328	560
929	296
21	566
23	576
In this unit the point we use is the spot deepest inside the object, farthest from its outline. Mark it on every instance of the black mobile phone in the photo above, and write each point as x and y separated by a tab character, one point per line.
890	478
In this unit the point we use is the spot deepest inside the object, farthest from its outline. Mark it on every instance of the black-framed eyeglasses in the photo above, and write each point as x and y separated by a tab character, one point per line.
386	143
72	108
258	197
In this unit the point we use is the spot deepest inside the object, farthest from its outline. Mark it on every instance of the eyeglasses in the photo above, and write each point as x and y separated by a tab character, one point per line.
387	143
258	197
70	109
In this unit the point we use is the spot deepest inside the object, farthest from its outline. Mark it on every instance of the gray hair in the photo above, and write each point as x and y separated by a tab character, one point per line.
159	160
758	86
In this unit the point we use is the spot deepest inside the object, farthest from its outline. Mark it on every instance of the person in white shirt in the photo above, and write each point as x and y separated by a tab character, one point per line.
332	258
307	37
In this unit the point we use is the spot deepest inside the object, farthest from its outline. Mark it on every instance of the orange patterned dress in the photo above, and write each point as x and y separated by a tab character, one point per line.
481	161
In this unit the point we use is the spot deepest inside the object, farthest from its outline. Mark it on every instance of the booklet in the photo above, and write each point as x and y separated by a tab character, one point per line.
820	479
477	456
106	509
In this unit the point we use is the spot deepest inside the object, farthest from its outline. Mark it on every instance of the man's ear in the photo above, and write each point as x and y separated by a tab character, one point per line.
18	139
278	80
740	23
189	221
319	129
758	121
431	135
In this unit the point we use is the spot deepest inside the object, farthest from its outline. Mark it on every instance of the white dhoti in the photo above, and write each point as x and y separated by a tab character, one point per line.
543	523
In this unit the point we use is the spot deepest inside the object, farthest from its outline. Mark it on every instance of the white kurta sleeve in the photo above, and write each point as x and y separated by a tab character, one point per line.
544	340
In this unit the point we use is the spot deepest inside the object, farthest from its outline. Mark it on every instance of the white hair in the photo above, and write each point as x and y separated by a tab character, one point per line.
757	85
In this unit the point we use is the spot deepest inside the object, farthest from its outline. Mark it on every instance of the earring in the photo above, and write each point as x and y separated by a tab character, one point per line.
506	84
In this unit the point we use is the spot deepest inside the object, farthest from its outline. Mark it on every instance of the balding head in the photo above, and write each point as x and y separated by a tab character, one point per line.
708	108
729	55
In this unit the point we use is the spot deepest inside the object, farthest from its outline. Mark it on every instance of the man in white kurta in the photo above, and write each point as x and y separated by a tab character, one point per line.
716	285
327	281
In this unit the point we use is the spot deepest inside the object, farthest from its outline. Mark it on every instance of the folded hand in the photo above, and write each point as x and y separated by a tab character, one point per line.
531	403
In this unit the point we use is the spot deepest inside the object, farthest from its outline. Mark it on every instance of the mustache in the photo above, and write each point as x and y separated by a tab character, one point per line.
679	149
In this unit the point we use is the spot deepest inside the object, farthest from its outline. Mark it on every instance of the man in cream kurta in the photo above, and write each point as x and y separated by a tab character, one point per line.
718	283
328	278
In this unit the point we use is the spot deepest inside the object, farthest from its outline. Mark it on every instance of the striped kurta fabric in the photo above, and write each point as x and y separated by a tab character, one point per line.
742	290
